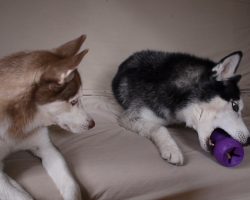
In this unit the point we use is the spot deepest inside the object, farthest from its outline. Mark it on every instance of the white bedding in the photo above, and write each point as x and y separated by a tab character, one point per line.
112	163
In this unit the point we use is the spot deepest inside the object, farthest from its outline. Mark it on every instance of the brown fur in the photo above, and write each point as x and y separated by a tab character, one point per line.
29	79
21	112
49	91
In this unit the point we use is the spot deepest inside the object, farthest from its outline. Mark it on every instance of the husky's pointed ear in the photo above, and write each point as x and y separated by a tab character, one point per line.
70	48
227	66
62	71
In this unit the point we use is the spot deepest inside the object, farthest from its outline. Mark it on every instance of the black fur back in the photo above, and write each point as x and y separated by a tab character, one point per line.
168	80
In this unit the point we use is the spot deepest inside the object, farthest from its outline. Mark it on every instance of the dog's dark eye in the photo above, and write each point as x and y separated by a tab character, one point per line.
74	102
235	106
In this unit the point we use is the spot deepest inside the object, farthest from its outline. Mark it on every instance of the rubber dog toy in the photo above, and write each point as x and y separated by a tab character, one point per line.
227	151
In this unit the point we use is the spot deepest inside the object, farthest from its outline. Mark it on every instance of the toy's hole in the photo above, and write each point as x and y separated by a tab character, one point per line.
233	156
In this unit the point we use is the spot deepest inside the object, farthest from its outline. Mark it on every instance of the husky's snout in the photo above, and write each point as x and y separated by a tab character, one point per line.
242	137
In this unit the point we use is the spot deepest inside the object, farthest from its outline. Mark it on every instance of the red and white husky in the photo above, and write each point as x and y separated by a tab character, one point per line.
39	89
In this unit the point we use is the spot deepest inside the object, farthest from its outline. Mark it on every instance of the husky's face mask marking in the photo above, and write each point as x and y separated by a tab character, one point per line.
219	113
69	115
225	111
59	92
229	119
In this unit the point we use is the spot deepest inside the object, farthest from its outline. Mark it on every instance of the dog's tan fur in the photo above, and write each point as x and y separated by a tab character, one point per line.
39	89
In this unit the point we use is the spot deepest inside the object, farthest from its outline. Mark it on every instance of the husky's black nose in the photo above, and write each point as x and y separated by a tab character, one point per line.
91	124
248	141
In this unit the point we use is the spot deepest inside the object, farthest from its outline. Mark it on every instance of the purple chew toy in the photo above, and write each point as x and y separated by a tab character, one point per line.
227	151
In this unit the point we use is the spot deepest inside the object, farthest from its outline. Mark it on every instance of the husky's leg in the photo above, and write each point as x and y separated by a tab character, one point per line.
10	189
55	165
147	124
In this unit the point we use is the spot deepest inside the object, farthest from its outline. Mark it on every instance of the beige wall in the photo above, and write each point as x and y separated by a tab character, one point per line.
117	28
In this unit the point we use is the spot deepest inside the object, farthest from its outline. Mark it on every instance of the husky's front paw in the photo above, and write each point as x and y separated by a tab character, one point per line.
72	192
173	155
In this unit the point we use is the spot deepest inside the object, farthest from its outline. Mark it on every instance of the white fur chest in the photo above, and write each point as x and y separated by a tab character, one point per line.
10	144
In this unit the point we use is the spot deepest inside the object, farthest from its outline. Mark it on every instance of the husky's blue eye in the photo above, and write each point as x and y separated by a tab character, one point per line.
235	106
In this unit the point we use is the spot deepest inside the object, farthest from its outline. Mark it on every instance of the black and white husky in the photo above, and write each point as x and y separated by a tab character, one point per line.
158	88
